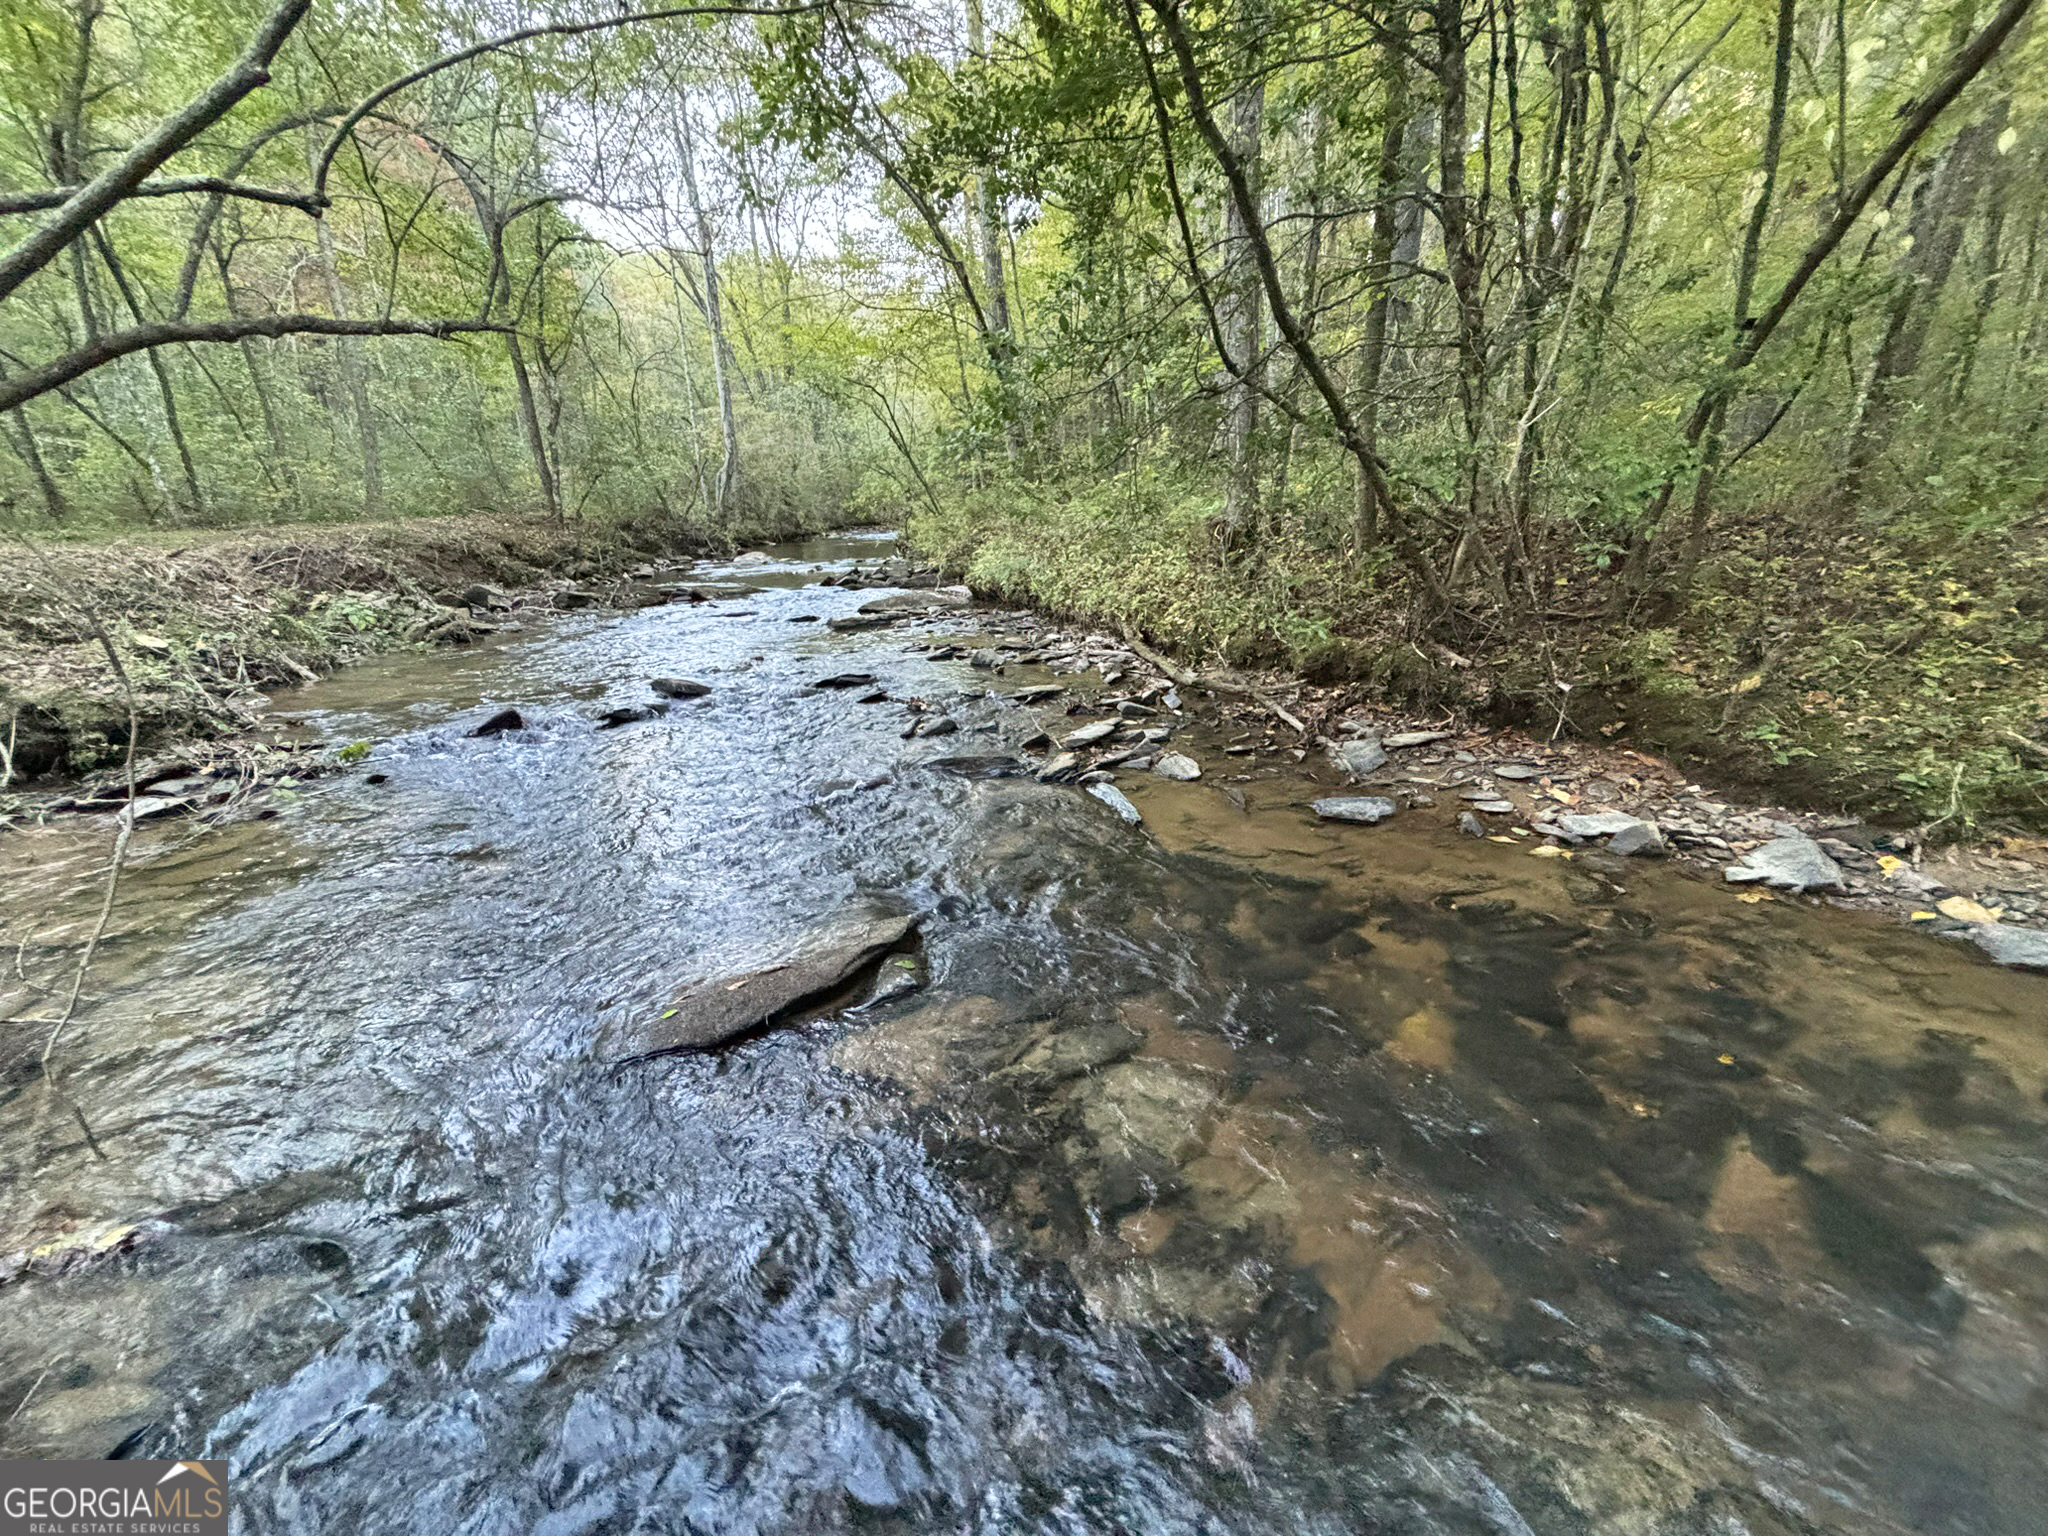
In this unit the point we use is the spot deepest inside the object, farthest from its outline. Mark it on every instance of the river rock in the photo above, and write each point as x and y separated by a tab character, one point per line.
482	595
1402	739
1642	839
944	725
982	765
1495	807
846	680
152	807
576	597
821	965
1059	766
1088	735
852	622
1038	693
679	688
1177	765
753	557
625	714
1471	825
916	602
1517	772
1792	863
2026	948
1115	799
504	720
1360	757
1365	810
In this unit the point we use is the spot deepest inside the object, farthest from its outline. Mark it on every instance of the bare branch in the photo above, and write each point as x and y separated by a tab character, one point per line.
385	92
86	206
175	186
118	344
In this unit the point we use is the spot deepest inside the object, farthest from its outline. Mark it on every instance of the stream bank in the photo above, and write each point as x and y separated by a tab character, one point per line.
204	622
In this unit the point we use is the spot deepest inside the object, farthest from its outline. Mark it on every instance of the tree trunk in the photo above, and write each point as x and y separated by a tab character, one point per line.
1942	204
1389	208
348	352
1244	324
714	316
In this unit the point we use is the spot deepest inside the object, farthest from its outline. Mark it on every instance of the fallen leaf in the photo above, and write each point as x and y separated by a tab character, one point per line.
1890	864
1964	910
1548	852
1923	917
1498	838
1725	1059
1753	897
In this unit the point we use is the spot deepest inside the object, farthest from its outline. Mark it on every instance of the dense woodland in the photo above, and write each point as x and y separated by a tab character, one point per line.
1672	369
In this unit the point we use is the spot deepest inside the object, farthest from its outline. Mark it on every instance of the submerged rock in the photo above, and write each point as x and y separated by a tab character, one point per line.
1114	798
982	765
625	714
1360	757
823	964
1471	825
848	623
1792	863
1177	765
679	688
504	720
152	807
846	680
2026	948
1365	810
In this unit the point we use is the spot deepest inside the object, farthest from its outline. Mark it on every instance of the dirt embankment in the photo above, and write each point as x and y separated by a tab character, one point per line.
191	628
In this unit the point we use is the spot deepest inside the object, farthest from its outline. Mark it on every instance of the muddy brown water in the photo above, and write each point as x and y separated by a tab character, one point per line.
1233	1173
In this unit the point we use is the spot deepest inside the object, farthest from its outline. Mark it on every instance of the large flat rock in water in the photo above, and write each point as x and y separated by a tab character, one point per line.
821	964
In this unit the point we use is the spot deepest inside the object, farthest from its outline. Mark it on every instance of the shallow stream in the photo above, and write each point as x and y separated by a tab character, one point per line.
1231	1173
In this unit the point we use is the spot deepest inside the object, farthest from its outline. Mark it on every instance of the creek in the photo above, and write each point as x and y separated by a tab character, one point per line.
1232	1172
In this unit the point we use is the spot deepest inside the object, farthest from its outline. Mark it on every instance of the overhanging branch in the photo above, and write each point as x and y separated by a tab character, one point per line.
55	374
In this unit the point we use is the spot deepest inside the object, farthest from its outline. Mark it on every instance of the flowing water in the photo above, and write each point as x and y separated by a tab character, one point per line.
1231	1173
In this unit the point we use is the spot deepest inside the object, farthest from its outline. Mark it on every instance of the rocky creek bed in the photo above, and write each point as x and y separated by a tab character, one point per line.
838	1058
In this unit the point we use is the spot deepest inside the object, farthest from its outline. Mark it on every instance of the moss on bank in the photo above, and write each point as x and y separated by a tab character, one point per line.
1895	682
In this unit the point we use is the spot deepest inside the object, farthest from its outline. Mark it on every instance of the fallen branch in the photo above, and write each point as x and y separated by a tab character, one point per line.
2026	744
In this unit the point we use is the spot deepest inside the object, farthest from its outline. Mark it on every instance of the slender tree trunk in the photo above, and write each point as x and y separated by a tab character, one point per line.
1942	204
259	381
714	315
989	225
1386	235
159	369
349	355
1244	325
21	437
1712	439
